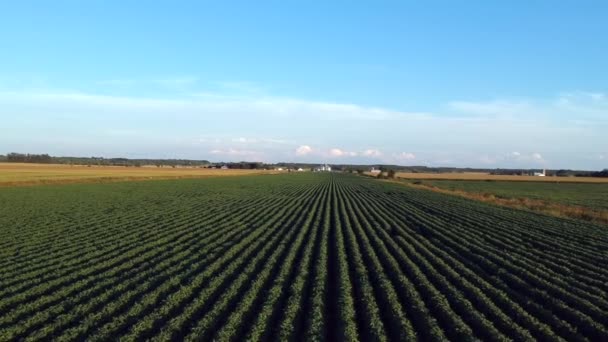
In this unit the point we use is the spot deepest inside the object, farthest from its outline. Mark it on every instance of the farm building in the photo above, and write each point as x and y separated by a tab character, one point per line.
323	168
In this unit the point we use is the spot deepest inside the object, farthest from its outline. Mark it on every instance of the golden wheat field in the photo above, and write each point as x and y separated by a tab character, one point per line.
32	174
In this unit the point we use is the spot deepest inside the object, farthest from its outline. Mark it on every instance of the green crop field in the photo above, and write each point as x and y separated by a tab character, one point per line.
292	257
591	195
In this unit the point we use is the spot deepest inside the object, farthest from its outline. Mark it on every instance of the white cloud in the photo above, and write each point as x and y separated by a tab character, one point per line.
243	140
118	82
373	153
498	108
122	132
514	159
488	160
260	141
303	150
401	158
406	156
276	141
232	152
565	130
176	83
336	152
241	87
573	106
211	104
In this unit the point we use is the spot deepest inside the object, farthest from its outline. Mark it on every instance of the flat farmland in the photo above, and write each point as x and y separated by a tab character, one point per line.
323	256
474	176
591	195
32	174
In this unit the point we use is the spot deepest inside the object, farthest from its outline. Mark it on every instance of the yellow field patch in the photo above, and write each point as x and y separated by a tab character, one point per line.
13	174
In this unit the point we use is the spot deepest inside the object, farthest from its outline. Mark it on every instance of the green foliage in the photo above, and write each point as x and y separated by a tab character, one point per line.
301	256
28	158
581	194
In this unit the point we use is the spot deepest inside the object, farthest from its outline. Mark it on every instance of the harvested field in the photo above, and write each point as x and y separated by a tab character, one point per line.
16	174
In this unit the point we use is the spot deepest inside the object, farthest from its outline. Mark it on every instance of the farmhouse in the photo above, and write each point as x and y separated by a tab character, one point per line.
541	174
374	171
323	168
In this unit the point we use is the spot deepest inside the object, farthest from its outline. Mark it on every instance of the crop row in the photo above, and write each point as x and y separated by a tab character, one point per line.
293	257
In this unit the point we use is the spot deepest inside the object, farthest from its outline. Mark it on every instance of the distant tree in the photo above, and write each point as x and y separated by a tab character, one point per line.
391	173
29	158
603	173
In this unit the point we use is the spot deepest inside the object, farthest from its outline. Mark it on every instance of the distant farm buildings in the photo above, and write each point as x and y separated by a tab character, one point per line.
323	168
374	171
541	174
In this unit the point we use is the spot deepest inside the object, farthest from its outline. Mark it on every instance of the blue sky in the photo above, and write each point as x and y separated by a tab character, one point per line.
439	83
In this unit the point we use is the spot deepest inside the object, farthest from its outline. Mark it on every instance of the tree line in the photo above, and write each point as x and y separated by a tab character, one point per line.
386	169
29	158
